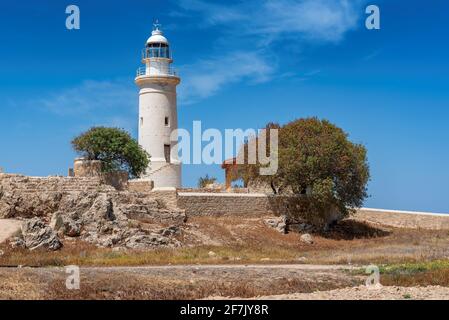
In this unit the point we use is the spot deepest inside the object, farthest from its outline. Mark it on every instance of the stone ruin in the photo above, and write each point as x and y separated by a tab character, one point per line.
57	208
107	210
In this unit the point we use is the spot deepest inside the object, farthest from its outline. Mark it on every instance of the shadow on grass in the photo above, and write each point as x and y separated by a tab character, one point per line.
351	229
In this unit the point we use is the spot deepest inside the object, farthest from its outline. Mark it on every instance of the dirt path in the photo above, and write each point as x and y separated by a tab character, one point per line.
222	267
8	227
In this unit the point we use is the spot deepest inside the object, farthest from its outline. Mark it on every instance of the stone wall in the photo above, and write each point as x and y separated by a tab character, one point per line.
216	204
87	168
83	168
119	179
258	204
56	184
168	197
251	204
140	185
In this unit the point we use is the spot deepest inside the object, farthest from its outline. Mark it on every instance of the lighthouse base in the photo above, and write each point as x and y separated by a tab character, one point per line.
164	175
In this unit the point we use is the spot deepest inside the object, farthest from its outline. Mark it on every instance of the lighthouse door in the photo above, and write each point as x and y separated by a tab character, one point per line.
167	152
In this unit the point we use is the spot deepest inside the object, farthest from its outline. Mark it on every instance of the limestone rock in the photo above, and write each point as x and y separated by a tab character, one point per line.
102	207
85	208
279	223
212	254
144	241
170	231
56	222
306	238
36	234
72	228
17	242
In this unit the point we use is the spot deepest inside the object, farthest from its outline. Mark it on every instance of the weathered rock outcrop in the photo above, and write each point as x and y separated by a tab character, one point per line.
36	234
54	208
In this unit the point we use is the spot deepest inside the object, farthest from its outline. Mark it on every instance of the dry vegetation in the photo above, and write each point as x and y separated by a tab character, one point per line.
408	257
239	241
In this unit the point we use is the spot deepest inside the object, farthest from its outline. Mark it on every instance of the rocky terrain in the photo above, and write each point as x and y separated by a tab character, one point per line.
56	208
56	222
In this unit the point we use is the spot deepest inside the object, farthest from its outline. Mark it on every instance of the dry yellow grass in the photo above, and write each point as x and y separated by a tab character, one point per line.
418	258
84	255
237	240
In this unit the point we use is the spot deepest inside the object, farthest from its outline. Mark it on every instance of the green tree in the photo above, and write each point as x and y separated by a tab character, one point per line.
316	161
205	181
115	148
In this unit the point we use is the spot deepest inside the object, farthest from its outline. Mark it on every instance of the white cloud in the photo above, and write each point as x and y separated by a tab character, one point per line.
271	20
206	77
91	96
91	103
258	31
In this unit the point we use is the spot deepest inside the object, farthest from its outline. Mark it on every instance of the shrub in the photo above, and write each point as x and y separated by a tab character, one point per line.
115	148
203	182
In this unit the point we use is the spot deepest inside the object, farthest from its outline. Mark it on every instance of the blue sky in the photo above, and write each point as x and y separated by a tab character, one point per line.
242	65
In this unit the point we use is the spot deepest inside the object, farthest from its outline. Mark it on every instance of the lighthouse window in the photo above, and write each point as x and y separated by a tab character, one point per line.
157	50
167	122
167	152
141	121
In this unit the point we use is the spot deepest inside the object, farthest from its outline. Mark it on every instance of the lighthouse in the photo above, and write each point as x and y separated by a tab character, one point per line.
158	116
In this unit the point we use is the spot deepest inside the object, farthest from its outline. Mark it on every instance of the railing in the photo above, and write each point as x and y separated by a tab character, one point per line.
143	71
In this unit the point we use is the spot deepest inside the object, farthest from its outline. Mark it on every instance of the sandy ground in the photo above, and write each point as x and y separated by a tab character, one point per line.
8	227
367	293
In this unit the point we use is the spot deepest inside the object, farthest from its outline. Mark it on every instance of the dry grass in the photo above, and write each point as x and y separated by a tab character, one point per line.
135	288
426	278
85	255
16	285
167	283
237	240
416	274
409	257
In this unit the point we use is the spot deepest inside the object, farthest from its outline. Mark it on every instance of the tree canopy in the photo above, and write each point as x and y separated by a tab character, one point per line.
115	148
317	160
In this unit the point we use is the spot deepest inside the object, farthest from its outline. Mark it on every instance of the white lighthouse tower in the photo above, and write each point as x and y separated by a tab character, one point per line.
158	115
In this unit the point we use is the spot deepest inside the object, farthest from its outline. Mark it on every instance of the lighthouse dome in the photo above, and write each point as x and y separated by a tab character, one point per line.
157	37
